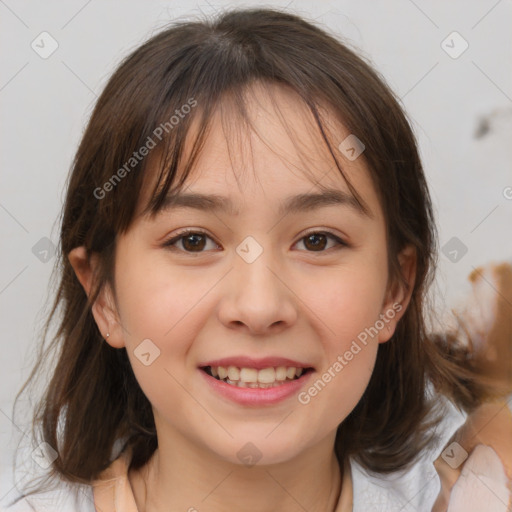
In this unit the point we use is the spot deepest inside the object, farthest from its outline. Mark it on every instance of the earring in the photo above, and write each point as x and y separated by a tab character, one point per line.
108	334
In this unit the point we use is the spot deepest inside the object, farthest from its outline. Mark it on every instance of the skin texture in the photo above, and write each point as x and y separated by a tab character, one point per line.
293	301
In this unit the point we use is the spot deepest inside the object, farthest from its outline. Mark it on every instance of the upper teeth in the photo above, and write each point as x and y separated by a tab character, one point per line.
263	376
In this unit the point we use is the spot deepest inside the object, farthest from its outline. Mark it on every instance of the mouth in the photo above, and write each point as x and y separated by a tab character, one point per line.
263	378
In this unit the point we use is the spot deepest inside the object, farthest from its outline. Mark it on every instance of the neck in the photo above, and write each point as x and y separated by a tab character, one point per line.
193	480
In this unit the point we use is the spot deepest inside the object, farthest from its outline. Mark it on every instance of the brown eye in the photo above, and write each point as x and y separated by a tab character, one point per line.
317	241
197	241
190	241
194	242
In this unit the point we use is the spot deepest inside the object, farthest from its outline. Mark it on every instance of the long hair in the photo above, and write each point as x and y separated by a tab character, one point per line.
93	399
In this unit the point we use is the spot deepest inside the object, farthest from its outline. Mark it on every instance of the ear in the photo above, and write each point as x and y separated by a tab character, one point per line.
104	309
398	294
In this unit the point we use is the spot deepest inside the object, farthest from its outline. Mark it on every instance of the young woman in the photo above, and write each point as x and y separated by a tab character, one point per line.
246	246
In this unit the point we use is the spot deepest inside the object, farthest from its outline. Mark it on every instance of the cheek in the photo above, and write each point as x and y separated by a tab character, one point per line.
156	301
347	300
338	386
348	303
353	378
163	305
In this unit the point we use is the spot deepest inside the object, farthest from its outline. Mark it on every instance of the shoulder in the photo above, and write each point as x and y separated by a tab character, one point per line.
64	497
411	490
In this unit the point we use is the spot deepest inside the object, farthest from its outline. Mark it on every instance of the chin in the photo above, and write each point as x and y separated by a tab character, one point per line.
251	451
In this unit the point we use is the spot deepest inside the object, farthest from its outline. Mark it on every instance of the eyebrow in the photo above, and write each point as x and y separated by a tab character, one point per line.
293	204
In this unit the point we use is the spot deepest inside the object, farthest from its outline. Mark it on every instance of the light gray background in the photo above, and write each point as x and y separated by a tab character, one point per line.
46	103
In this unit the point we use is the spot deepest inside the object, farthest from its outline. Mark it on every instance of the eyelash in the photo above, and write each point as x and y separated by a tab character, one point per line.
183	234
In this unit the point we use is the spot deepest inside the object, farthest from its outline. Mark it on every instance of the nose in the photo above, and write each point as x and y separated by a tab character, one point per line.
257	299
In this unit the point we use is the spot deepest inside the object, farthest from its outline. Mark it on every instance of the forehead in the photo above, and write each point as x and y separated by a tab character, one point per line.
271	150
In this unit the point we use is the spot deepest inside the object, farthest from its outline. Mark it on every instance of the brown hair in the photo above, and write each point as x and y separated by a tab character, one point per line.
92	388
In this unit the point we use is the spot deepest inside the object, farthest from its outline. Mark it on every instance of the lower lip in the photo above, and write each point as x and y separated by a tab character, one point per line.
256	396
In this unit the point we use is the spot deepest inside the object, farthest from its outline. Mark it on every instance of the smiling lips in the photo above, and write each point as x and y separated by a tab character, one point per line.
253	378
257	393
257	374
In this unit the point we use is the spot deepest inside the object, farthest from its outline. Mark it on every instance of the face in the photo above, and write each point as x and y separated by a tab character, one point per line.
259	289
